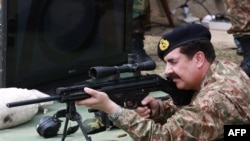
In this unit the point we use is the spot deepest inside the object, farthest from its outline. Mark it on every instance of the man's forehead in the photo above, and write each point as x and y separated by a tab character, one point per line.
173	54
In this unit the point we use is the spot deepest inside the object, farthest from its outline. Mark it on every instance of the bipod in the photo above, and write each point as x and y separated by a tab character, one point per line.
73	115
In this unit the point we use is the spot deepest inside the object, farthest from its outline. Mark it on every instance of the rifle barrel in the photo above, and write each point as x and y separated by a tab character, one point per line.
32	101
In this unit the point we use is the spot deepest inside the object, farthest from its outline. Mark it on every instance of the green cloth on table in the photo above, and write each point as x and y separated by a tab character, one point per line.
27	131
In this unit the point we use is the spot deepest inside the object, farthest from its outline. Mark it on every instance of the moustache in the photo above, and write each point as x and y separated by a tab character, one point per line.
172	76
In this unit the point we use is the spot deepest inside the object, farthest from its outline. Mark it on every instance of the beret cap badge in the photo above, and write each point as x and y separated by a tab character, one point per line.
164	44
180	36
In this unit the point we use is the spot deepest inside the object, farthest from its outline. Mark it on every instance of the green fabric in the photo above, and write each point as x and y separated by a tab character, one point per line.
27	131
139	7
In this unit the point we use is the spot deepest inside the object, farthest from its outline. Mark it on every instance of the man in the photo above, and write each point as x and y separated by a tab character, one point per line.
222	93
239	12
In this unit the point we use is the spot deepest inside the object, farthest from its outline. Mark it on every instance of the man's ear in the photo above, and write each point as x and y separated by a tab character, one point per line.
199	58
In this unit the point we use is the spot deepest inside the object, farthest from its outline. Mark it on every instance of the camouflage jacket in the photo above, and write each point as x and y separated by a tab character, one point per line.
239	13
224	98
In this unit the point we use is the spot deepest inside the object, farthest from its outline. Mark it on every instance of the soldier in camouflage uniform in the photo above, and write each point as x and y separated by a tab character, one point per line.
239	13
222	93
141	18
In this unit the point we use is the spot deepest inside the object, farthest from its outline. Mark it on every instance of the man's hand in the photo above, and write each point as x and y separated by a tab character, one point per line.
98	100
150	108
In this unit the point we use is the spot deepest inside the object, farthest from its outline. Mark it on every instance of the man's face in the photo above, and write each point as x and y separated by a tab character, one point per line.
182	70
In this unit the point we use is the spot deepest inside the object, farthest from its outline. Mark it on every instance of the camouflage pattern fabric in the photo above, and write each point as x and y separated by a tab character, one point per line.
239	13
141	16
140	7
224	98
93	125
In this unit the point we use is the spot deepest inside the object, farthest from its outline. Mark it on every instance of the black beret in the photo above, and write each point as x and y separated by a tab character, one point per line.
180	36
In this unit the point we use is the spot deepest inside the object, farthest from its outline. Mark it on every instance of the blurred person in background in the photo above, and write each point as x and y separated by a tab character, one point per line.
140	22
239	14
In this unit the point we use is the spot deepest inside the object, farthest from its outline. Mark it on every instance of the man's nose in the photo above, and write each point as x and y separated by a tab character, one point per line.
168	70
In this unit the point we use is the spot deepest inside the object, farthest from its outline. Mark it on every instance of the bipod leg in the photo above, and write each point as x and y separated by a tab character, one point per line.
79	121
73	115
65	129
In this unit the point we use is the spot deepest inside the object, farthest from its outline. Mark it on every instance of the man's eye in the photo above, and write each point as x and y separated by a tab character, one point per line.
174	62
